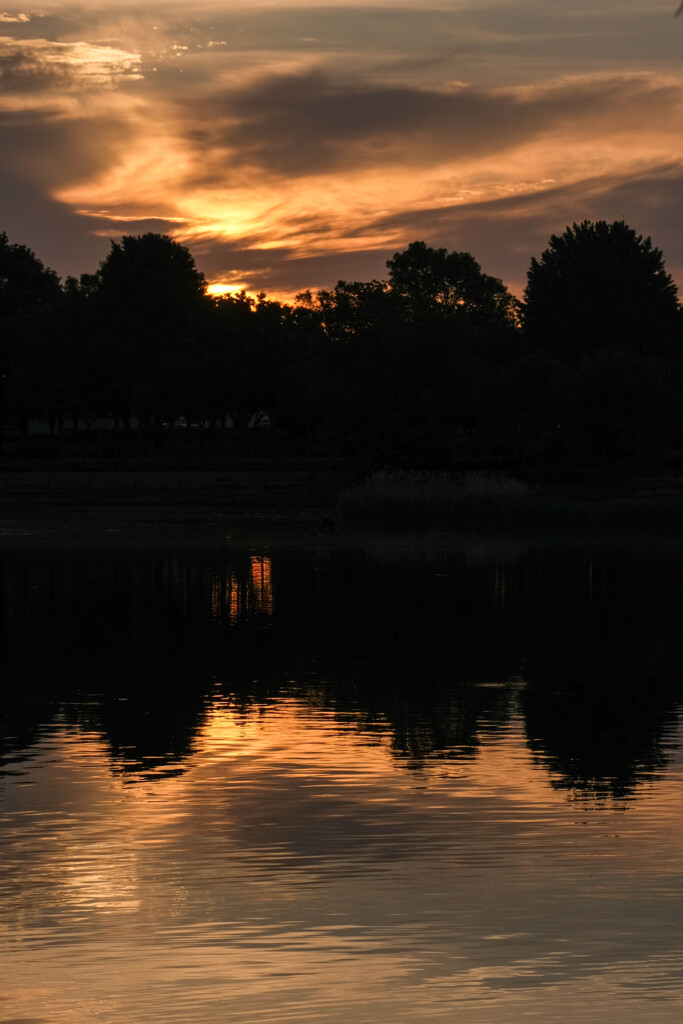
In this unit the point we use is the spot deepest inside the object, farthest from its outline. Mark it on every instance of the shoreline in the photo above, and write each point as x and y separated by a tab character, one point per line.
322	504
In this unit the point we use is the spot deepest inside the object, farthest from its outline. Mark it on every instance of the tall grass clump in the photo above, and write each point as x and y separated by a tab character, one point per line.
429	499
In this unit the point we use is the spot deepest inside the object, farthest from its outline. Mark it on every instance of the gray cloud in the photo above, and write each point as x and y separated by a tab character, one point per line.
29	67
504	234
307	123
279	28
62	239
21	71
59	151
542	38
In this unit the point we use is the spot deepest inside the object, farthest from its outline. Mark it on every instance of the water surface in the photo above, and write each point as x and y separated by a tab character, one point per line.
321	783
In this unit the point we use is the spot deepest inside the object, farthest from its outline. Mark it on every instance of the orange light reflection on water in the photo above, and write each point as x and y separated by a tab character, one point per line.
261	581
298	870
234	598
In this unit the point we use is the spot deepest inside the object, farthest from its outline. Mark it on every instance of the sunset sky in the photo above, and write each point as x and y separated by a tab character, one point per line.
292	144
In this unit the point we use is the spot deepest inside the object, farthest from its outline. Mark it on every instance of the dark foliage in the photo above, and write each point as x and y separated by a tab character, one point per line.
437	366
30	299
601	286
148	303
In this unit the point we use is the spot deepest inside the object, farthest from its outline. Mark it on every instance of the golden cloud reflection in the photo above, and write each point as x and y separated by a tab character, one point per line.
101	876
277	775
298	870
75	805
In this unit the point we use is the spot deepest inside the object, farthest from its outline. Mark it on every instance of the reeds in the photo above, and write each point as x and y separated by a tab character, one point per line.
396	499
430	499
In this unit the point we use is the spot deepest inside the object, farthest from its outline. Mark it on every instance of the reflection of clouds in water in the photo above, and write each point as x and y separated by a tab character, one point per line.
293	871
100	876
297	871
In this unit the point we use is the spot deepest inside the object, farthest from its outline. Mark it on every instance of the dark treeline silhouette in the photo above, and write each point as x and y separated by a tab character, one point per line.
438	365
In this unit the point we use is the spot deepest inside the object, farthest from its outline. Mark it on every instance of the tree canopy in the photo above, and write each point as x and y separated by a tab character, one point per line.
25	283
148	301
435	281
436	365
30	297
600	286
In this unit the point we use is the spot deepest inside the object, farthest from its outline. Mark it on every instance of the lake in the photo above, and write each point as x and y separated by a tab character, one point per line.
316	780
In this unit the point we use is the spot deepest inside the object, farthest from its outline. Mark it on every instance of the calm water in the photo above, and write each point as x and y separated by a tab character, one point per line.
315	783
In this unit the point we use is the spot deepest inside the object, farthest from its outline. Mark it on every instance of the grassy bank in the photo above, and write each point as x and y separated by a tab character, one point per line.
480	502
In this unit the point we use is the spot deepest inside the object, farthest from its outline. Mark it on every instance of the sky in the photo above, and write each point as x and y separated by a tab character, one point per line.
290	145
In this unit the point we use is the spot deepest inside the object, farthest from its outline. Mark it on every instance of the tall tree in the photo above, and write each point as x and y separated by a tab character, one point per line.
463	326
601	305
150	301
246	354
435	282
601	286
364	365
29	302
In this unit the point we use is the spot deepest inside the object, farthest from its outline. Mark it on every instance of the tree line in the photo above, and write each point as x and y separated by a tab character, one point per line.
438	364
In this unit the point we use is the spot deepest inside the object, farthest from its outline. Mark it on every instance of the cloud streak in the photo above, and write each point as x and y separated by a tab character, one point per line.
307	123
32	66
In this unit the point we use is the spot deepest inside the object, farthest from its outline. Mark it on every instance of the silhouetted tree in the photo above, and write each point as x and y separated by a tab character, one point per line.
150	302
26	285
301	401
534	397
437	283
411	355
600	304
463	325
600	286
232	385
29	301
88	387
246	364
617	406
370	390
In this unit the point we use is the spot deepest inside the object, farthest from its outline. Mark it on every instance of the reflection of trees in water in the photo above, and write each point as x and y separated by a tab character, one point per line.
144	640
449	727
604	667
398	645
602	743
